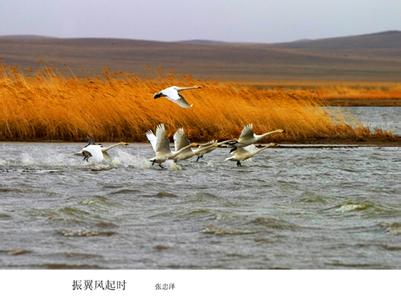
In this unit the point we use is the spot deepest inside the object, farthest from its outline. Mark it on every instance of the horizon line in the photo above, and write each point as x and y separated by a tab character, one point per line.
199	40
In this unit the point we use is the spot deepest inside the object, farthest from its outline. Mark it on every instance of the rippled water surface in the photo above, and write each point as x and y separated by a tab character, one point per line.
287	208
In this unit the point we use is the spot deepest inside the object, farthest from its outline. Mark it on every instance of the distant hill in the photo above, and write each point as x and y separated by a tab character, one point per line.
23	37
363	57
381	40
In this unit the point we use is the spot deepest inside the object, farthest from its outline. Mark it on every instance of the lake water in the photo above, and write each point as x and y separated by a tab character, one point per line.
286	208
375	117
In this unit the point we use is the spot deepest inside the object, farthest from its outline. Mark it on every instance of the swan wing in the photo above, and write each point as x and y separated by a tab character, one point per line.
152	139
251	148
172	94
183	103
105	149
247	132
180	139
162	142
242	151
95	152
206	148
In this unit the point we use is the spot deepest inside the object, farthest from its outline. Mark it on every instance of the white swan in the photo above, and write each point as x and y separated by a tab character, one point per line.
248	137
96	151
172	94
204	149
181	141
244	153
161	146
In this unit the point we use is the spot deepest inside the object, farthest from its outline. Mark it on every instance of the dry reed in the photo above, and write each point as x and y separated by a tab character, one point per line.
117	106
361	91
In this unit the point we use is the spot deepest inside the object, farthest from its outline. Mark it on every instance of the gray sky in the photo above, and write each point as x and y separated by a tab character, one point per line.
227	20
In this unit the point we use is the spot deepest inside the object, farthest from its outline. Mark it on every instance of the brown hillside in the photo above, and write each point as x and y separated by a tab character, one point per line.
374	57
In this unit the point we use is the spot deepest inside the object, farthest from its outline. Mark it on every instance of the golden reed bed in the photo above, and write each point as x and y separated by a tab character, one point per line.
119	106
344	93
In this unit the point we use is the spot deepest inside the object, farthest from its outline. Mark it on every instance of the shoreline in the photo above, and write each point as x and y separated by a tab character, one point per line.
363	102
326	143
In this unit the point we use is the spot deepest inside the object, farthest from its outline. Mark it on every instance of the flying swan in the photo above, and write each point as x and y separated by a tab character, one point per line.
161	146
203	149
244	153
172	94
248	137
181	141
96	151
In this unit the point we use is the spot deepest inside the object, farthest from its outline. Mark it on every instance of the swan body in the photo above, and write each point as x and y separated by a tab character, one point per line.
204	149
244	153
248	137
96	152
172	94
160	144
181	141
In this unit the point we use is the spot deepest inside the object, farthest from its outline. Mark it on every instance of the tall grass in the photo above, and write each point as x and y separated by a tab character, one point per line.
339	90
361	91
118	106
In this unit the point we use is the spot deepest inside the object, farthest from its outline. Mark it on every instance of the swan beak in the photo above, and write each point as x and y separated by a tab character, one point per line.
78	154
157	95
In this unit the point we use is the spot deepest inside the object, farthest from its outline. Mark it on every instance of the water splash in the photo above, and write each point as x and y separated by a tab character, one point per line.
172	166
128	160
27	160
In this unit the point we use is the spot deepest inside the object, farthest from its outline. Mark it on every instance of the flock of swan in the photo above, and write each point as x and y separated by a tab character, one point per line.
242	148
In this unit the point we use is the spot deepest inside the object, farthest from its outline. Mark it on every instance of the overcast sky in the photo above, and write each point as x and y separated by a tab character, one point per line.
227	20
